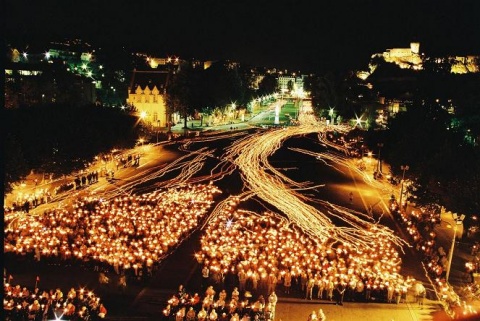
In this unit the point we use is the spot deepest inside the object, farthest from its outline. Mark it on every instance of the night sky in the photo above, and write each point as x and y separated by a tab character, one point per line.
312	35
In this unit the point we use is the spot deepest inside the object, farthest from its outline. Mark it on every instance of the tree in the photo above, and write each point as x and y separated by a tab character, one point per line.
267	85
332	91
445	166
439	65
179	92
290	86
11	95
224	84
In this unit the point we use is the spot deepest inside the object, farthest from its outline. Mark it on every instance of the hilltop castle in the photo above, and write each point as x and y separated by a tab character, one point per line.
412	58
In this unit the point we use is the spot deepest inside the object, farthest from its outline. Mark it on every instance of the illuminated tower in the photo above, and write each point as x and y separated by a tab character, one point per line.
415	47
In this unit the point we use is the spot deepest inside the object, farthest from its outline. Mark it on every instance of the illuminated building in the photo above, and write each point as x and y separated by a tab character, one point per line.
412	58
297	83
147	94
463	65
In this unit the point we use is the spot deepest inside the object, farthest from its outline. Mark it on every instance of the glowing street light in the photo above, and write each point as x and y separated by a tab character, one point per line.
458	221
358	121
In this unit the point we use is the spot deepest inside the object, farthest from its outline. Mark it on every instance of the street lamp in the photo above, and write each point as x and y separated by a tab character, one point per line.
458	221
403	168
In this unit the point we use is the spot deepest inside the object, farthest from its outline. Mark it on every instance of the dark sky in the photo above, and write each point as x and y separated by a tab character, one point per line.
306	35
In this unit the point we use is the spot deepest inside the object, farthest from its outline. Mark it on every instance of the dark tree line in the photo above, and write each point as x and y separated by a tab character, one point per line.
443	156
59	138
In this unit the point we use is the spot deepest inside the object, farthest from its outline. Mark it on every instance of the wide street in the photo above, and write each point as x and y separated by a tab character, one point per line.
294	171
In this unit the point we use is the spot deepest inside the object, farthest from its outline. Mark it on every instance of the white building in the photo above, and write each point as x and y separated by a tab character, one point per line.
147	94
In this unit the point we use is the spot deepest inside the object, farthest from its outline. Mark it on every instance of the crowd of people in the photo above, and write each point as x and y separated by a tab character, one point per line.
220	305
127	234
244	254
42	193
80	181
27	304
420	224
25	202
265	253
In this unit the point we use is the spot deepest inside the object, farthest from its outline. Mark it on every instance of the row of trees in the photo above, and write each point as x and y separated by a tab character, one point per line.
197	90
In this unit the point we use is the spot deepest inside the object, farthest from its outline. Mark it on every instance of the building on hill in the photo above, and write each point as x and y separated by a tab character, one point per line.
467	64
405	58
29	84
411	58
162	63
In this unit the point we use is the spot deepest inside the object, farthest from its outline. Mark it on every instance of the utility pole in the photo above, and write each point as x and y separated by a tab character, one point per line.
379	165
403	168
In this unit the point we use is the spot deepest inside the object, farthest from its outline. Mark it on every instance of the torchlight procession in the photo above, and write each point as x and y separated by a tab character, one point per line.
130	230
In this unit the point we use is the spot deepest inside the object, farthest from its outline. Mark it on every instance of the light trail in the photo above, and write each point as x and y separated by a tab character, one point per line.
186	165
251	155
340	160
